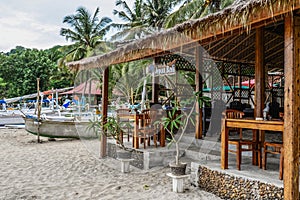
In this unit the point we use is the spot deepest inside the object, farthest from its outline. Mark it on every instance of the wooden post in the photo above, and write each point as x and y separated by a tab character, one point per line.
104	111
155	88
135	133
224	145
259	84
38	109
259	73
291	107
155	85
198	82
239	81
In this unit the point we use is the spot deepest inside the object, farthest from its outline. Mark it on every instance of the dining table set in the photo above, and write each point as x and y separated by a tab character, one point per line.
137	118
258	127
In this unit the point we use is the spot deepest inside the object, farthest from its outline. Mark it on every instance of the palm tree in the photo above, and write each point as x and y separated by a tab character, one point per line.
193	9
127	77
134	22
87	31
158	10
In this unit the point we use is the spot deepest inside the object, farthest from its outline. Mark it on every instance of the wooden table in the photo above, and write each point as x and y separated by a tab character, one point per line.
255	125
136	117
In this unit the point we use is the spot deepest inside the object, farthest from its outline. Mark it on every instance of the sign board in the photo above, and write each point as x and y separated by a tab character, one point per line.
160	70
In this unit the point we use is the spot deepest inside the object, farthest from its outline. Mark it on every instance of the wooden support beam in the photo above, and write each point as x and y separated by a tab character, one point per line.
291	106
259	73
210	46
273	51
227	42
103	142
155	89
247	37
155	85
198	82
249	56
238	54
272	37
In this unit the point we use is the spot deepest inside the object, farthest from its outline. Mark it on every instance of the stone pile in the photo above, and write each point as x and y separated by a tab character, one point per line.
230	187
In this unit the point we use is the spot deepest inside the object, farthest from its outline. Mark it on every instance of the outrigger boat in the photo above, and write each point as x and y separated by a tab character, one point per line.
57	126
61	127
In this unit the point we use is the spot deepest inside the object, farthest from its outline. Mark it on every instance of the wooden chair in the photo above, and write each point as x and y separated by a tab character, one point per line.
126	126
235	114
273	148
240	143
149	129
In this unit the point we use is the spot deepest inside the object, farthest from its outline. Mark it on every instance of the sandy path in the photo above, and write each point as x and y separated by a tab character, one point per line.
64	169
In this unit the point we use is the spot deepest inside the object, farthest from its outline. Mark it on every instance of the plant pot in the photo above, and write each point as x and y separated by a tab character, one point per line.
123	154
179	169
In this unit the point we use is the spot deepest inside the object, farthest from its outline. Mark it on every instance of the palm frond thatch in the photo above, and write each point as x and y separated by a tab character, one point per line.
240	15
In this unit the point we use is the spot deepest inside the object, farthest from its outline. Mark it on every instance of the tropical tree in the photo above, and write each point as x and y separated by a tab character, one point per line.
128	77
133	25
193	9
26	65
157	11
2	88
62	76
144	18
87	31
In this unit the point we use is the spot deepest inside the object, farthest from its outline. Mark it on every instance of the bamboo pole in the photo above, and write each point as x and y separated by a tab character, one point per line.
38	109
52	99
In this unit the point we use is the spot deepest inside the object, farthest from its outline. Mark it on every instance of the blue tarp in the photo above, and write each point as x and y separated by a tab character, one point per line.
225	88
44	101
2	101
66	105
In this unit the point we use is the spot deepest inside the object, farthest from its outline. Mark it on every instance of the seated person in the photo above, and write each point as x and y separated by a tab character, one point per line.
236	105
274	109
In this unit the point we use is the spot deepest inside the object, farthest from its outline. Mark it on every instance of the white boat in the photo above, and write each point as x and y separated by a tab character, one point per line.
11	120
59	118
15	117
59	127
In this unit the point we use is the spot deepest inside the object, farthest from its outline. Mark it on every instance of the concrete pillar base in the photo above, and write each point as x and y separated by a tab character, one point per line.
178	182
125	166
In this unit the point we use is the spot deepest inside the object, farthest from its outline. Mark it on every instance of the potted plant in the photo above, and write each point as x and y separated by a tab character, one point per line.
112	128
176	124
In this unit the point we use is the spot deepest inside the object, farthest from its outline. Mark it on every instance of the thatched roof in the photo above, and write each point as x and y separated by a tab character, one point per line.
215	33
88	87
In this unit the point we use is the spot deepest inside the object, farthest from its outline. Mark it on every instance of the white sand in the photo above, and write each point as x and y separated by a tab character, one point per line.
64	169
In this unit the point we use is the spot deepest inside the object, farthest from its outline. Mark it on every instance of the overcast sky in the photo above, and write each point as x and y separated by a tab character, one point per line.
37	23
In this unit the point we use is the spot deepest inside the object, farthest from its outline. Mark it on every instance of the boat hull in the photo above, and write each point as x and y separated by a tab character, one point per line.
11	120
59	129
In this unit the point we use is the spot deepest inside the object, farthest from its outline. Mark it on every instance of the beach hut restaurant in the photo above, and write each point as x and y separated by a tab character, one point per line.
253	35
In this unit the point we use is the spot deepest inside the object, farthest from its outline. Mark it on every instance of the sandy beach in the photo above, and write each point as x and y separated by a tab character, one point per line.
64	169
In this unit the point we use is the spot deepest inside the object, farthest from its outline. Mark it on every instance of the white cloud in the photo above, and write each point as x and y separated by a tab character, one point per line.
36	23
